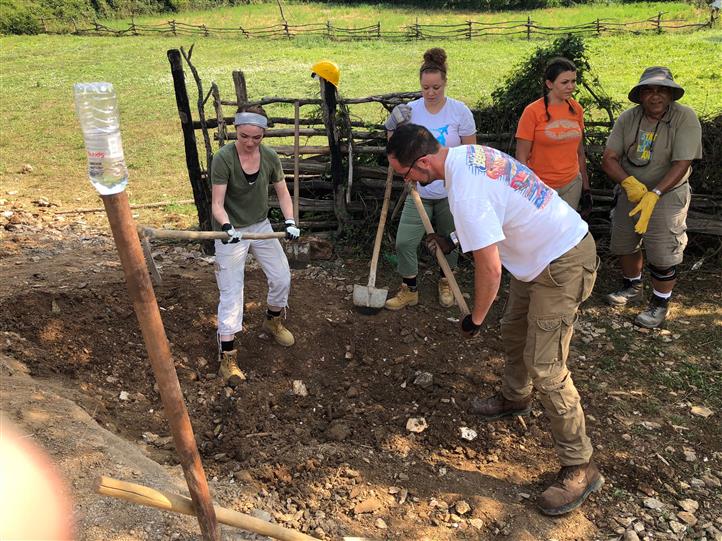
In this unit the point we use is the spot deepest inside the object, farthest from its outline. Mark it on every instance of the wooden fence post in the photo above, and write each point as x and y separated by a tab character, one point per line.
132	25
219	114
659	22
172	27
599	28
328	29
328	108
528	27
378	29
201	189
417	30
285	28
239	83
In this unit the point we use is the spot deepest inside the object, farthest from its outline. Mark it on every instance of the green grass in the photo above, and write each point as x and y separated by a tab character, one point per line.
38	124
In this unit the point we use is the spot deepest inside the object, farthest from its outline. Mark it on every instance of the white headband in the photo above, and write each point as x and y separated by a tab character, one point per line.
251	118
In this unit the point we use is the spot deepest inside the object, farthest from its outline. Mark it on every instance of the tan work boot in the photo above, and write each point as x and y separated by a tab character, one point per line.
229	370
571	488
446	297
498	407
281	334
404	297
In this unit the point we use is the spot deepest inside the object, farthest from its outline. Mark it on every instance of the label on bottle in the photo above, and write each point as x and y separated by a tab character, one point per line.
107	147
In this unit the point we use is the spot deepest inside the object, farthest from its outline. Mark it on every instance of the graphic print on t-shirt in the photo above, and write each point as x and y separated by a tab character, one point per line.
441	133
644	148
497	166
562	129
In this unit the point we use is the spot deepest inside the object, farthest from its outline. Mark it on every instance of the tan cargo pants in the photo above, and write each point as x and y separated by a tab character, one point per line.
537	328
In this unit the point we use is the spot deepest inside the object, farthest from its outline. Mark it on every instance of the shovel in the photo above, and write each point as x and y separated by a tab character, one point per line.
298	253
440	255
368	299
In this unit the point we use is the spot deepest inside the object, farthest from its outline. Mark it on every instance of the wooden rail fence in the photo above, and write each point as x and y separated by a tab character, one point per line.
468	30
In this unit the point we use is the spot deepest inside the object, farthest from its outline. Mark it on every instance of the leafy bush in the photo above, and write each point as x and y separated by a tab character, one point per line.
17	18
524	85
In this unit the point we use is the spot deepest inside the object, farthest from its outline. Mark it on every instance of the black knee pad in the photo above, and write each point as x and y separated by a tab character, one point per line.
662	274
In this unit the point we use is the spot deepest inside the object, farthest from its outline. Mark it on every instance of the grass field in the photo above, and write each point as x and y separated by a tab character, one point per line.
38	124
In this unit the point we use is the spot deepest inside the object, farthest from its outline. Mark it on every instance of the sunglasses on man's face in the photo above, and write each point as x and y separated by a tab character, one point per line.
413	164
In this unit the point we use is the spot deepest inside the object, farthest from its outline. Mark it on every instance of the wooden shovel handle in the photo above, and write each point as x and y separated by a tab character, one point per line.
440	255
168	501
151	233
380	228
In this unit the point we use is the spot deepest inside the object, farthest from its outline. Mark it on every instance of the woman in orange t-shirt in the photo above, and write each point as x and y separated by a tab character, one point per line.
550	137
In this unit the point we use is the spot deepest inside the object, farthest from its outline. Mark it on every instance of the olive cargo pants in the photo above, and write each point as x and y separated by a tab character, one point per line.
537	328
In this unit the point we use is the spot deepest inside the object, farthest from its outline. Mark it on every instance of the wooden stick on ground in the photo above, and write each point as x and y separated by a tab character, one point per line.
169	501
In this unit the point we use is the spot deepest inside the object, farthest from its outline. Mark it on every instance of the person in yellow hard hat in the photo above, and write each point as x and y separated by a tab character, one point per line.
328	70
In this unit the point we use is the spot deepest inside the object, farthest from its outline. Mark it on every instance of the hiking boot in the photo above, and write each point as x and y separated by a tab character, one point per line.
572	486
498	407
655	313
446	297
632	292
281	334
404	297
229	370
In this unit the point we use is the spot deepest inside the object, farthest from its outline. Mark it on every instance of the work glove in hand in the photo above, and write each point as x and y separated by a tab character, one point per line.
585	204
292	232
401	114
468	328
233	234
644	208
445	244
635	189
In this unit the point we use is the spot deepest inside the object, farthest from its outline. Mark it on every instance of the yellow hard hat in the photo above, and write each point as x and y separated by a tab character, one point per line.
328	70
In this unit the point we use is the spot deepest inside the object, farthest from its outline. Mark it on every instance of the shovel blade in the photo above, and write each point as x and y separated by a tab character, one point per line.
297	253
369	297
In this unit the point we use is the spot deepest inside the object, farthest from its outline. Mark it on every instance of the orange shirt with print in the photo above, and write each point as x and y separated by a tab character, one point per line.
555	142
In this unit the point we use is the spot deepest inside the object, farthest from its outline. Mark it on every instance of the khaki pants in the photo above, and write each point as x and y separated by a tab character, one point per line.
537	328
571	192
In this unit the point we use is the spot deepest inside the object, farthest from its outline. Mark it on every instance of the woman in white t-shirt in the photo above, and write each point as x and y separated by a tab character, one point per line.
452	123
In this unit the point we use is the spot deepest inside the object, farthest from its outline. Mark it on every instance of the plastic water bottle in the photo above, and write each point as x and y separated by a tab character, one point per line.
97	108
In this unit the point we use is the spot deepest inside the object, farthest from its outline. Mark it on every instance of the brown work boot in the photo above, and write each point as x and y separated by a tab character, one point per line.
571	488
404	297
446	297
229	370
498	407
281	334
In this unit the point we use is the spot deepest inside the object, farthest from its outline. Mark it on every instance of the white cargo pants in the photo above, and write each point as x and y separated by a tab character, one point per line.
230	267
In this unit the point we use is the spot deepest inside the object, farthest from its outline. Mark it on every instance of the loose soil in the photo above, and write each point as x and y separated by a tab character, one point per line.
340	460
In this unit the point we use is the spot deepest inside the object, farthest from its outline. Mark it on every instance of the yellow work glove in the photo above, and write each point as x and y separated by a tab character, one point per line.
635	189
645	207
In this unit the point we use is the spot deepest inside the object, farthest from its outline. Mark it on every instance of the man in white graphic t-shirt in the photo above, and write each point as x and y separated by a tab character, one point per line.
505	215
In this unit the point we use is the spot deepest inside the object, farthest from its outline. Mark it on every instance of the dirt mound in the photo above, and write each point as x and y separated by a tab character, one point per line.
317	436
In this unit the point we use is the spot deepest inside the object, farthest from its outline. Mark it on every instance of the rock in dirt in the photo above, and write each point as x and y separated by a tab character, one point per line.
467	433
299	388
462	507
701	411
416	425
687	518
424	380
689	505
338	431
652	503
380	524
630	535
369	505
124	395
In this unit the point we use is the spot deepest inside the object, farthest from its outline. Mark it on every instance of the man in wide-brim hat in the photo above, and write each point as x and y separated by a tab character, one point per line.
649	155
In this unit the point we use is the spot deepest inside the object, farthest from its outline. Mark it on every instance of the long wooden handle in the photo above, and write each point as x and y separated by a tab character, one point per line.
460	300
168	501
380	228
296	158
151	233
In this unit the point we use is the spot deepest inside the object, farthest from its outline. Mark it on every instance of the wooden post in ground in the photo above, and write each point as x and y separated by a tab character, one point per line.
156	343
328	108
201	189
